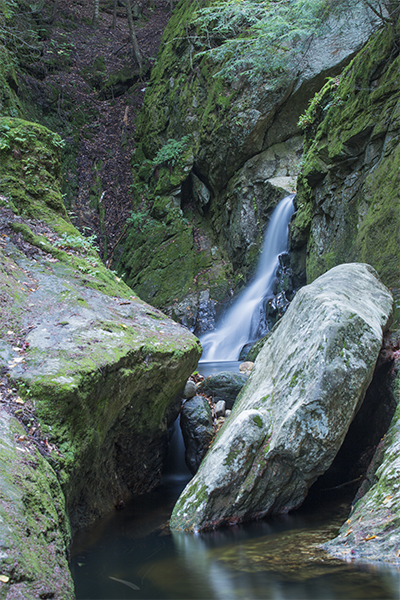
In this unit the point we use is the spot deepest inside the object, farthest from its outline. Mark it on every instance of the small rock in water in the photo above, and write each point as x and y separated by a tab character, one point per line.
190	390
220	408
227	413
246	367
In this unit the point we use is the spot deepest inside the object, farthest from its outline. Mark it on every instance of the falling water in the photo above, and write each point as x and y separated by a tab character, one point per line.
242	320
176	468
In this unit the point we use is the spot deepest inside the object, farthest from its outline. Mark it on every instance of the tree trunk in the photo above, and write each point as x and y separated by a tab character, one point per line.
114	21
96	9
135	45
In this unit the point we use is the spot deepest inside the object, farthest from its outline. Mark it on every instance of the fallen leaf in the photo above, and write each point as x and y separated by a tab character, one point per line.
348	532
4	578
370	537
19	400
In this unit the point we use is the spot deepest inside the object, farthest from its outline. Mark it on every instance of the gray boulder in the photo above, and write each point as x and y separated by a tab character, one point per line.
223	386
308	382
197	430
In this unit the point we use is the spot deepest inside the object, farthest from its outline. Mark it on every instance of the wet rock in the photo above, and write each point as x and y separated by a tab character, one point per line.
308	382
197	430
206	313
223	386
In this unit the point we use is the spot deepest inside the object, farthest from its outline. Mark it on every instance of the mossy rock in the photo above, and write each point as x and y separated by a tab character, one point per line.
102	369
348	190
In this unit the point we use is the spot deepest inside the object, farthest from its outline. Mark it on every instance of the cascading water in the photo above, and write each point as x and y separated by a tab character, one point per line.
242	320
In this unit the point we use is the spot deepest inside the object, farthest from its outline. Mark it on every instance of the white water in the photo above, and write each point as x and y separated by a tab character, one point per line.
242	320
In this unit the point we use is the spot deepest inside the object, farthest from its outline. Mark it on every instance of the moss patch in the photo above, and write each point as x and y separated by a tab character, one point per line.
348	191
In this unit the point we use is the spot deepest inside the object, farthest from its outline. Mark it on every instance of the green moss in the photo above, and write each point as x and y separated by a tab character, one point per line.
9	102
258	421
361	109
30	168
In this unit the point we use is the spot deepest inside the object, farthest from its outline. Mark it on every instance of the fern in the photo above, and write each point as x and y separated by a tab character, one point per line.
263	38
171	152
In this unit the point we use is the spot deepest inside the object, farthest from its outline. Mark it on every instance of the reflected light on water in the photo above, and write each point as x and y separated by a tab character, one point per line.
276	559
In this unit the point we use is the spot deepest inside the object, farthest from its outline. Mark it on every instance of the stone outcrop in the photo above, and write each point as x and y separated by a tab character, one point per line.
348	192
308	382
371	532
213	160
34	530
98	371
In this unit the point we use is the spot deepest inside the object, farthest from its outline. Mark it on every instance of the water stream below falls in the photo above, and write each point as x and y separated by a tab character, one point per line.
131	554
241	324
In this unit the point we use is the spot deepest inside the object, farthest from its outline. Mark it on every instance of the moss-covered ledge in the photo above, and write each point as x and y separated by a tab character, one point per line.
98	371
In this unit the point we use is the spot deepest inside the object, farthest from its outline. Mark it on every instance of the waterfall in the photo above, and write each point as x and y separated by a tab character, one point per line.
242	320
176	468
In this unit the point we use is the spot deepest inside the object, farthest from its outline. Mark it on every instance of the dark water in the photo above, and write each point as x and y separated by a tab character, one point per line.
277	559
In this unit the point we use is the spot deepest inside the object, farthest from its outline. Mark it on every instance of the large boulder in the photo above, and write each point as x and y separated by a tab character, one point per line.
308	382
99	372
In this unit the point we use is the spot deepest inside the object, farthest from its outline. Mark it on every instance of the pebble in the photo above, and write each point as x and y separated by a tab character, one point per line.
190	390
220	408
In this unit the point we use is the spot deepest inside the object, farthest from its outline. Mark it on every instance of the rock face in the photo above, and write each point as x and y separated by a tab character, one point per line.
308	382
99	370
34	529
212	162
197	430
372	531
348	191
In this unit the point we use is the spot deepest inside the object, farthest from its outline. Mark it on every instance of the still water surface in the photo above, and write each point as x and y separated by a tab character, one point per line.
274	559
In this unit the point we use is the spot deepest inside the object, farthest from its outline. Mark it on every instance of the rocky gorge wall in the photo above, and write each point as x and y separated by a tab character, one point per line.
90	374
213	160
348	189
347	210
